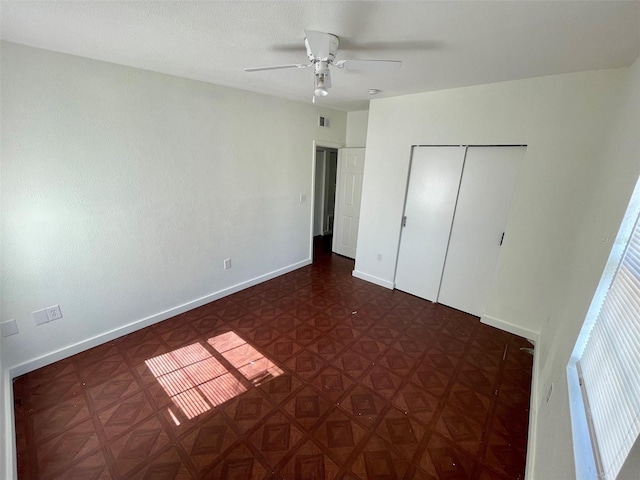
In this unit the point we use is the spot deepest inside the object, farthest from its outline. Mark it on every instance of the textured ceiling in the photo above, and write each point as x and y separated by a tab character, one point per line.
441	44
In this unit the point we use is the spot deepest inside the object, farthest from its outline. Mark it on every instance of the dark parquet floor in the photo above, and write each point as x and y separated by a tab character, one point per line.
312	375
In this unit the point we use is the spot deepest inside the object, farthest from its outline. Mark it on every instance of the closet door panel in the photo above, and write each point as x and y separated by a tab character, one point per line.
434	179
487	186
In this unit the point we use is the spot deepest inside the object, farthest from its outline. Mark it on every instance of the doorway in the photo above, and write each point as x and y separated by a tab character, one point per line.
325	198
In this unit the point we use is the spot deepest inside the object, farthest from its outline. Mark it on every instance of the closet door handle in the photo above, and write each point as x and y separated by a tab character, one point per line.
502	238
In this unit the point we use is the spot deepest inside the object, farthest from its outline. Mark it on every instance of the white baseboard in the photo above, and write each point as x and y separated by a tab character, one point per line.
529	474
373	279
70	350
8	465
510	327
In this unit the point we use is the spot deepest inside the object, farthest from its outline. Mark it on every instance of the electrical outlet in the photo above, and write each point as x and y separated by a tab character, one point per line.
227	264
54	313
47	314
379	257
303	197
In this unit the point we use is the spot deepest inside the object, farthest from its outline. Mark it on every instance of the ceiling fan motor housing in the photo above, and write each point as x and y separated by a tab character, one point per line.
328	53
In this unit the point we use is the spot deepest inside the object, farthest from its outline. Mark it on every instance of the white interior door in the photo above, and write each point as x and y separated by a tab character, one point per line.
347	208
434	179
487	186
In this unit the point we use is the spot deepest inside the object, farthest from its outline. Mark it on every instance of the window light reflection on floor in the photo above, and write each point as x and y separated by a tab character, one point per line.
197	382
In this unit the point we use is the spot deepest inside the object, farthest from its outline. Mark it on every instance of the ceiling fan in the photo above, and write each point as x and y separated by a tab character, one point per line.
321	50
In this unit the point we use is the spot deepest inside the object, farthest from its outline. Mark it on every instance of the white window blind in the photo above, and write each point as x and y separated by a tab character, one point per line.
610	365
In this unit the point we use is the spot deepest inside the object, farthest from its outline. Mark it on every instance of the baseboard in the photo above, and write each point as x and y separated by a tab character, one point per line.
70	350
510	327
373	279
533	418
8	466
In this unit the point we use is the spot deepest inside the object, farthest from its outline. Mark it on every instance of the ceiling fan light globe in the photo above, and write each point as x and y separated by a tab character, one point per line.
321	92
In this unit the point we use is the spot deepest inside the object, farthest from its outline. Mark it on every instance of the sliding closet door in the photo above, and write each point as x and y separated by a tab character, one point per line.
431	199
480	218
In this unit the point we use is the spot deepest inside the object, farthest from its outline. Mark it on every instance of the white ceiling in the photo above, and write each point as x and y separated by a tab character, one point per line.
441	44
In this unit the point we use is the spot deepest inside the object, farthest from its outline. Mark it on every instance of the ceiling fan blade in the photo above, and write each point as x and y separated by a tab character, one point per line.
370	65
277	67
320	44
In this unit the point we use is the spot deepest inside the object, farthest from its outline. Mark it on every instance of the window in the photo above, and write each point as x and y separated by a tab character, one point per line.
606	360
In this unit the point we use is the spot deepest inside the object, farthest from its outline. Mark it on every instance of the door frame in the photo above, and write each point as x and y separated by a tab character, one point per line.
316	144
319	183
328	212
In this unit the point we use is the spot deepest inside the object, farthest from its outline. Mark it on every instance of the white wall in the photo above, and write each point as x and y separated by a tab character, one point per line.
617	173
581	162
357	128
6	454
631	466
123	190
561	119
